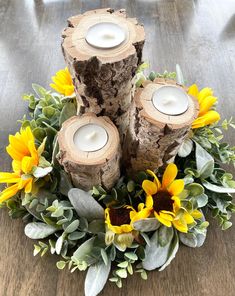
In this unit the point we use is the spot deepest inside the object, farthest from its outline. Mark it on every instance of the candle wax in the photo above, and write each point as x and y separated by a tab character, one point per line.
170	100
90	137
105	35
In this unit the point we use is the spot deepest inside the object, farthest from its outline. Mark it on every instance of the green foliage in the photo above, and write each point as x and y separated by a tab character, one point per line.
47	112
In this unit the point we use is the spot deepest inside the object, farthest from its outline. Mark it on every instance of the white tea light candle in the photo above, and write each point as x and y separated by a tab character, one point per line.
105	35
90	138
170	100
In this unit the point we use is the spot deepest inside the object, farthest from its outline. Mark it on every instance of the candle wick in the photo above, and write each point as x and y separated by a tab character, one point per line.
108	36
169	101
91	136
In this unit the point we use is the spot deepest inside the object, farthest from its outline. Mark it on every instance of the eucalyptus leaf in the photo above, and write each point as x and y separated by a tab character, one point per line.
155	254
72	226
202	200
216	188
39	90
85	205
195	189
38	230
185	148
96	278
146	225
204	162
59	244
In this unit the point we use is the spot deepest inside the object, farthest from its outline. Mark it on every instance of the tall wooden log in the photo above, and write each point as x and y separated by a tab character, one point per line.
153	138
106	74
88	169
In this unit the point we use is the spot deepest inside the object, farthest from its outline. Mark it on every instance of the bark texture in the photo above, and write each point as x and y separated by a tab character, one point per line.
103	75
153	139
88	169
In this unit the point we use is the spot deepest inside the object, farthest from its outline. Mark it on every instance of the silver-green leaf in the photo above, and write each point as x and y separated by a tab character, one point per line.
185	148
146	225
85	205
204	162
96	278
38	230
216	188
155	254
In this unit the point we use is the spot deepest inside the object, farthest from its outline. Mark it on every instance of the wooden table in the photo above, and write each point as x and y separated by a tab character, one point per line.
197	34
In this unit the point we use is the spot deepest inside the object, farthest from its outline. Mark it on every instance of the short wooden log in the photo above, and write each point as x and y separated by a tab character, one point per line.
153	138
88	169
105	73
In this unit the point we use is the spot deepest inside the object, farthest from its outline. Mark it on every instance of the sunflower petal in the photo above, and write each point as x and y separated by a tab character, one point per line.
9	178
187	218
8	192
162	220
206	104
176	187
156	180
193	90
169	175
27	164
149	201
205	92
206	119
149	187
196	214
182	227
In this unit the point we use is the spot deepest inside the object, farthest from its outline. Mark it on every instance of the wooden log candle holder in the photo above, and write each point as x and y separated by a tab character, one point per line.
153	138
102	49
89	151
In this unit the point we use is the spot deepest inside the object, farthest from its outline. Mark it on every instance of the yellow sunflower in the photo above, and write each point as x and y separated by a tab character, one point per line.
163	199
25	157
120	220
206	101
119	228
63	83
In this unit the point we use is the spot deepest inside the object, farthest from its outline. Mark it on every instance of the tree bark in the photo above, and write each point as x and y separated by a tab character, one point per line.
88	169
106	74
153	138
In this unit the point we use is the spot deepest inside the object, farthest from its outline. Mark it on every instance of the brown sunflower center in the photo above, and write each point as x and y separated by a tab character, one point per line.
162	202
120	216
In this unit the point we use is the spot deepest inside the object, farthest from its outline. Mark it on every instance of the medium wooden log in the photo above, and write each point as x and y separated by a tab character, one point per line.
88	169
106	73
153	138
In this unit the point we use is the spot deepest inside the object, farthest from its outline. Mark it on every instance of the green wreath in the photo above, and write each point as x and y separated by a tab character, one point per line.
125	227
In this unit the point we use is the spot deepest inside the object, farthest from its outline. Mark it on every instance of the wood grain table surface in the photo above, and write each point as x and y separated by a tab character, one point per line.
197	34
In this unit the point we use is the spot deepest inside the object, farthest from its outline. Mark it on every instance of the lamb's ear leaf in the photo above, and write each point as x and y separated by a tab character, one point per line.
38	230
96	278
85	204
188	239
156	255
172	252
146	225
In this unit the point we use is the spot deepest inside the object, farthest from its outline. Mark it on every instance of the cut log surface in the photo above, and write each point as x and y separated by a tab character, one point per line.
153	138
88	169
106	74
